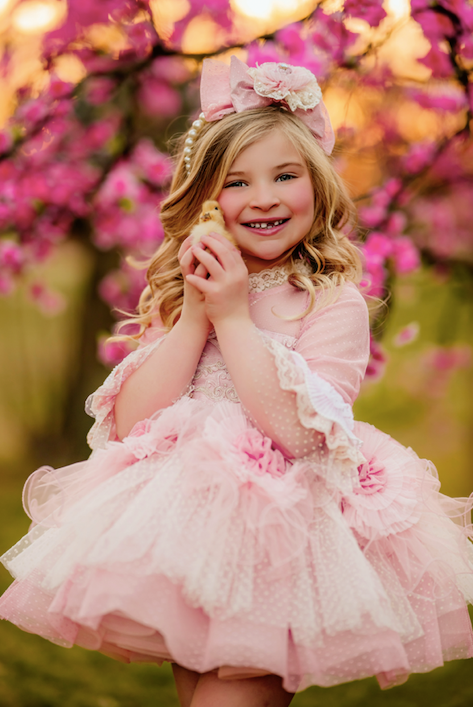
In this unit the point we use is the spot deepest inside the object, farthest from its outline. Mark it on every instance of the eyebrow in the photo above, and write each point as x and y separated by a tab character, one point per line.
276	168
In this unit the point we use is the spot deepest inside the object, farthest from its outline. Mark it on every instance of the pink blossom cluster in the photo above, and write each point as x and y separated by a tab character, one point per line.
157	94
121	288
441	363
110	353
444	224
372	11
126	204
58	170
320	47
48	301
377	361
448	25
82	14
40	192
449	358
448	98
386	249
220	11
407	334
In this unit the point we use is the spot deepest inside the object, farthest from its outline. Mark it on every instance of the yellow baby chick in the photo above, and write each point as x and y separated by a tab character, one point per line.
211	220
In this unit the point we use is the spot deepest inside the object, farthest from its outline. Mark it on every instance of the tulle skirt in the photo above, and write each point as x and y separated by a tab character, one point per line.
194	541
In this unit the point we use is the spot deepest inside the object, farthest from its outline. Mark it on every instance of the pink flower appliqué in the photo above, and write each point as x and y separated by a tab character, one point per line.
372	476
295	85
144	440
258	454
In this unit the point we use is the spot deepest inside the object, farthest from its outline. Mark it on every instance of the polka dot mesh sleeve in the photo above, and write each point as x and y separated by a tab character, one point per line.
101	404
302	398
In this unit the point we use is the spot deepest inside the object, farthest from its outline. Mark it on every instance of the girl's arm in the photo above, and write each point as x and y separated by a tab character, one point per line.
254	372
162	378
167	372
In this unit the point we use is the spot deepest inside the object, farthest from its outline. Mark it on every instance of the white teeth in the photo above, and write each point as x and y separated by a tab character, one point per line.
265	224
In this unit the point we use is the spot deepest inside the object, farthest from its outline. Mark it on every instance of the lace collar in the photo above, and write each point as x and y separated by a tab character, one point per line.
272	277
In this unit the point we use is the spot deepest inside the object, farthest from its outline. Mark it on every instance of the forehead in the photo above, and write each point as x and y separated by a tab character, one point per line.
272	149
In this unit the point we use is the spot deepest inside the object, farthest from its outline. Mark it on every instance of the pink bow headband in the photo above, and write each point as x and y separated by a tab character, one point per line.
232	89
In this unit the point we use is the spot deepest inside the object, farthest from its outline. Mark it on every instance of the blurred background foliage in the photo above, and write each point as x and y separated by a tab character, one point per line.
92	93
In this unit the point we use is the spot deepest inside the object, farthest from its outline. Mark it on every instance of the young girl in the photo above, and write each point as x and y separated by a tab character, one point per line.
233	519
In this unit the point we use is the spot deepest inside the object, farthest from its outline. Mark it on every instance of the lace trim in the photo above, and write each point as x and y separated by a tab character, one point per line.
273	277
101	404
326	413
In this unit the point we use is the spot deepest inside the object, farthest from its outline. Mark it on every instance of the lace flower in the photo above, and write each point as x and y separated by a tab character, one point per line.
295	85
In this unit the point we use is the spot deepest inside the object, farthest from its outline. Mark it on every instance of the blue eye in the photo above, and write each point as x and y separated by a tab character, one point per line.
233	184
285	177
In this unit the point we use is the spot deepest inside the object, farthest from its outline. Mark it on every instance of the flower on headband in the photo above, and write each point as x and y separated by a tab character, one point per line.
232	89
295	85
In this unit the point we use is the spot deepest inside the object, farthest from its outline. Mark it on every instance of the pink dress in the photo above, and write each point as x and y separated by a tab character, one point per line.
198	539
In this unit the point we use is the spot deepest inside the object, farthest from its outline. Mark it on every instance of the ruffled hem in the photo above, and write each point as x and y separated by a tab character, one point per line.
151	621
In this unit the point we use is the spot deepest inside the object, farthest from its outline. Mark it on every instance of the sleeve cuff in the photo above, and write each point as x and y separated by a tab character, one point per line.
321	408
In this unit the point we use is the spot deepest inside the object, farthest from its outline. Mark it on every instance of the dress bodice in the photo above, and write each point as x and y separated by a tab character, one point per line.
269	292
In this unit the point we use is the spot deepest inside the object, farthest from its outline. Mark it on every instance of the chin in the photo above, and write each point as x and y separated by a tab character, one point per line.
272	255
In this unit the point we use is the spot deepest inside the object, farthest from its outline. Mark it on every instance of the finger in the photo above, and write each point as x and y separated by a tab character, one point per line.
201	270
200	283
185	246
186	255
222	249
212	265
219	237
187	262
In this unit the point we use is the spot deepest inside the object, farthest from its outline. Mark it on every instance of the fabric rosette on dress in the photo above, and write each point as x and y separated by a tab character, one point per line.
392	487
404	527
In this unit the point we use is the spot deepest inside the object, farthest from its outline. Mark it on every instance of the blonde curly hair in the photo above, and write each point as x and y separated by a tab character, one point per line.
333	258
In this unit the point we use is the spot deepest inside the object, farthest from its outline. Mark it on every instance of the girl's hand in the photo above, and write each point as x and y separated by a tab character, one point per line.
226	288
193	310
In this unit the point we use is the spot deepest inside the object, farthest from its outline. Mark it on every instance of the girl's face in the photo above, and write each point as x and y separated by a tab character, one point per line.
268	200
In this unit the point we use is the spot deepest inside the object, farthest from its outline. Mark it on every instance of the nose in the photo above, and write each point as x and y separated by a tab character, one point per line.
264	197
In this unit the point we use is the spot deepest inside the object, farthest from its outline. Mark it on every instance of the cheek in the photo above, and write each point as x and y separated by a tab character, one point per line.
303	203
229	203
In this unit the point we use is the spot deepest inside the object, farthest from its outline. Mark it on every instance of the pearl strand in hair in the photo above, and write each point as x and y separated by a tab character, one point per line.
193	133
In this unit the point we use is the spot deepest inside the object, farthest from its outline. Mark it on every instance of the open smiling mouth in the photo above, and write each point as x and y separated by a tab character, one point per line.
265	224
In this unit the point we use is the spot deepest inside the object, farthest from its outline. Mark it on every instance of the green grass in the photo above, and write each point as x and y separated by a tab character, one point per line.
35	673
